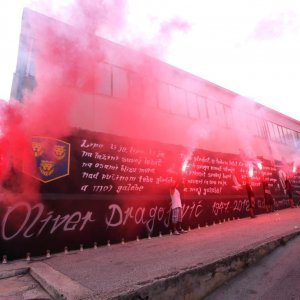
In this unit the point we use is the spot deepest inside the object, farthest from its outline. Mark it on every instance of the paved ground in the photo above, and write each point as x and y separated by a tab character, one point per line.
21	287
108	272
275	277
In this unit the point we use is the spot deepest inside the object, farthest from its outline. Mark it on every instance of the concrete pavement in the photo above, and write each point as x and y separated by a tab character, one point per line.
188	266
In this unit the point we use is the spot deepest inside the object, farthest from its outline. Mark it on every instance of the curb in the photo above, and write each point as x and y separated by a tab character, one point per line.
12	273
57	284
199	282
194	283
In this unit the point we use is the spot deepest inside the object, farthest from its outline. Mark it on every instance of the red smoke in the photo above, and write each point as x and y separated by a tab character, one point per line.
64	70
15	152
176	24
65	61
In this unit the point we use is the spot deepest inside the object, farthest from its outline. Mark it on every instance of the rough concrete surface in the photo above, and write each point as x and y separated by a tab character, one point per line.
188	266
21	287
275	277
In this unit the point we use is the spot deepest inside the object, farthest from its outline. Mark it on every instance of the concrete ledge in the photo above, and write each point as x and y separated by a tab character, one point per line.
192	283
57	284
198	282
12	273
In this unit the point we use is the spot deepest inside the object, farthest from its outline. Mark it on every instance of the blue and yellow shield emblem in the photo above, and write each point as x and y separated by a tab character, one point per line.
51	157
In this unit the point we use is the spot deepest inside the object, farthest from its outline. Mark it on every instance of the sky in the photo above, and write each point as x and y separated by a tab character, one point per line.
250	47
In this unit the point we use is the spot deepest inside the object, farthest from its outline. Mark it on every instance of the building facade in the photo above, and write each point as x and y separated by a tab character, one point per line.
124	126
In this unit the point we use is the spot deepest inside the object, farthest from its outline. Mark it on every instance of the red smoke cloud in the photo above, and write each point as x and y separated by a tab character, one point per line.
65	60
64	57
15	153
176	24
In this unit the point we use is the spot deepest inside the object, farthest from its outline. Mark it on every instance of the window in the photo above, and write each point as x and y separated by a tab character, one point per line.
270	131
291	139
120	83
192	105
228	115
285	134
220	112
265	130
27	54
150	92
212	113
282	140
202	107
103	79
296	142
163	96
240	121
178	100
276	132
259	127
135	88
251	125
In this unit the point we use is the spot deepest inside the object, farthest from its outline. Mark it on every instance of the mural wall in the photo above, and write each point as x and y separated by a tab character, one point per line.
104	188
